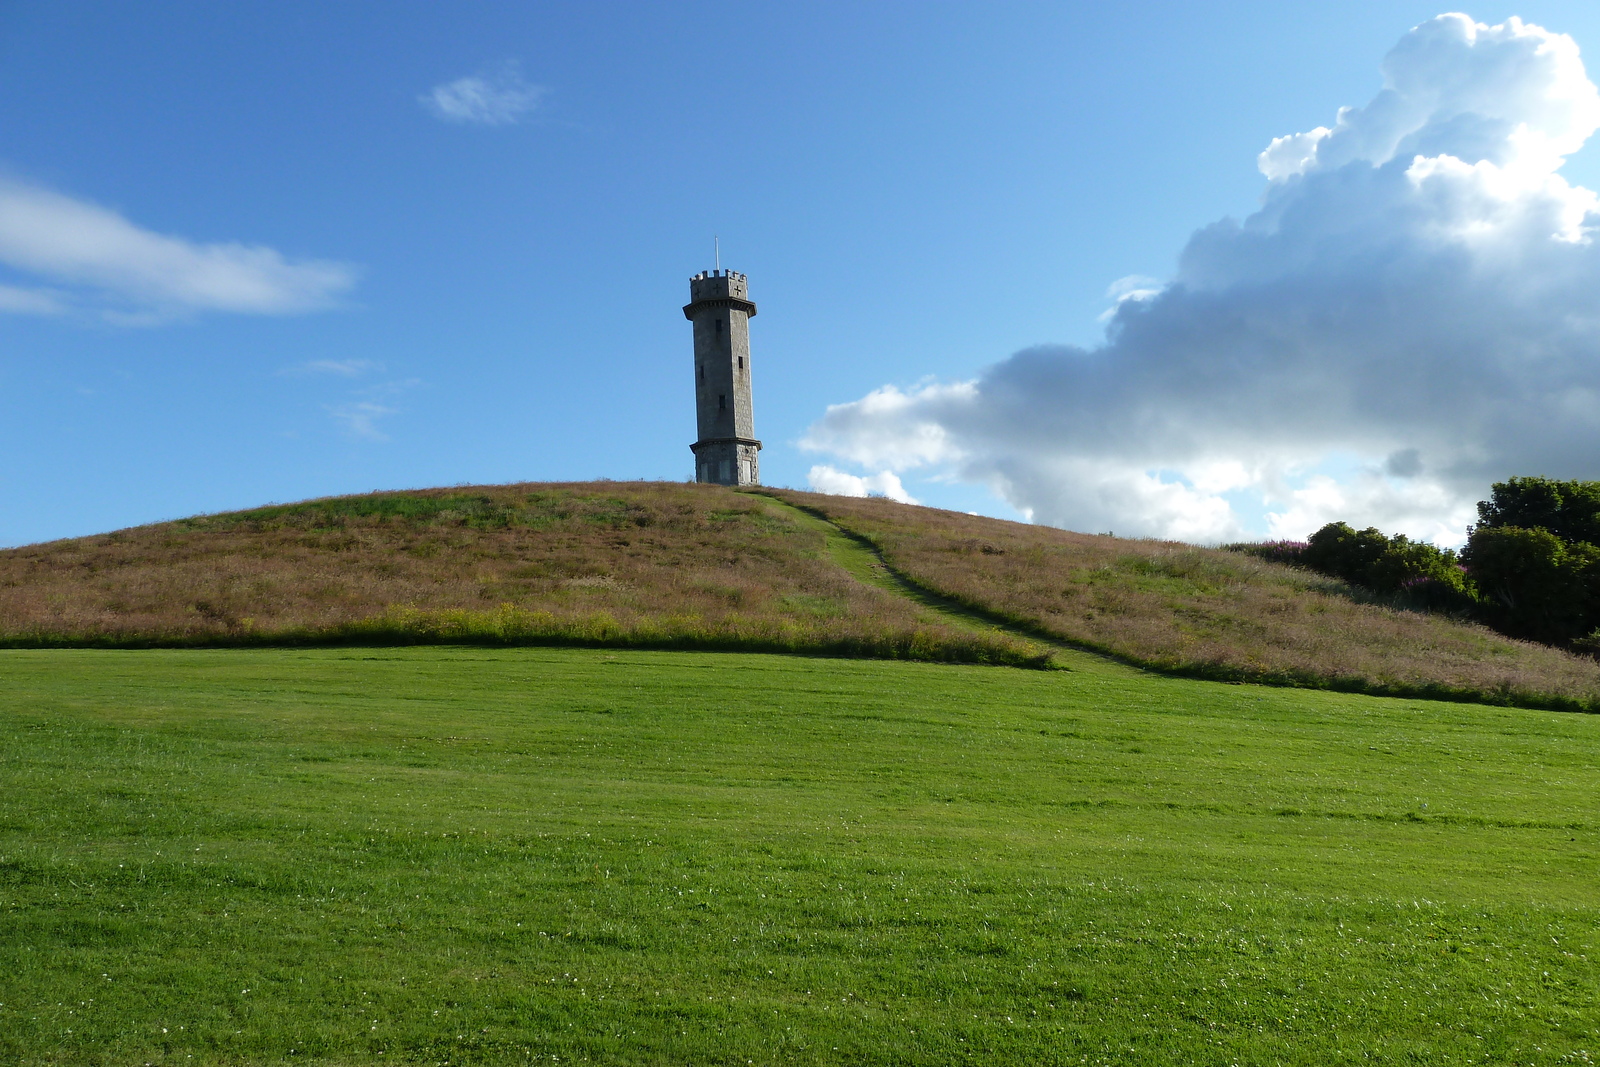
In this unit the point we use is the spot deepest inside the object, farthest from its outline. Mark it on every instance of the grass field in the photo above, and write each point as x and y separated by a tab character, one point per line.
466	856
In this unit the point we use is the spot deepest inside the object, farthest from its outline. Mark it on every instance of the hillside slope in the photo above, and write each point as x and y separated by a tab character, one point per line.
1206	612
672	565
644	563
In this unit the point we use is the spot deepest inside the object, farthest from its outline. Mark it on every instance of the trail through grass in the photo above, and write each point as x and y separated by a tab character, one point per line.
858	557
487	856
1202	612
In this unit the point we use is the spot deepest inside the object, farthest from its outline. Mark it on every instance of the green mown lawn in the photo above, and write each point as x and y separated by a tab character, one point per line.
464	856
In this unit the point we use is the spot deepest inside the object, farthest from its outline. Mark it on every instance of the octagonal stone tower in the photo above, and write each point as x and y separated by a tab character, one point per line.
720	308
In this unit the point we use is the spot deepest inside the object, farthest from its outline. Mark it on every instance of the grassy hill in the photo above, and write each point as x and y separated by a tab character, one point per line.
482	854
652	564
487	856
667	565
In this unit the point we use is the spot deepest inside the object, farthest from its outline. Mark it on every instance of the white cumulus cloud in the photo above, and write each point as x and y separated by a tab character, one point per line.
130	274
826	479
1412	313
495	98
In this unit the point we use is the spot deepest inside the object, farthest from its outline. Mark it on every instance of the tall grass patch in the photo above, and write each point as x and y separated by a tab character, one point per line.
623	564
1207	612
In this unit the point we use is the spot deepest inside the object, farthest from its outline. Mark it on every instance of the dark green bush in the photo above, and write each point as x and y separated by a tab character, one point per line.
1386	565
1290	552
1569	510
1531	568
1534	561
1341	551
1534	584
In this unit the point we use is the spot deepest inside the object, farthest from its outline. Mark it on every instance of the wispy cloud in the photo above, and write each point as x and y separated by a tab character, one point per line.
134	276
493	98
342	368
360	416
1133	287
19	301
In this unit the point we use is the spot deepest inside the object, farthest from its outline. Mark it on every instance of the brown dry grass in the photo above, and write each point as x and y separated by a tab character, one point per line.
1206	612
644	564
686	566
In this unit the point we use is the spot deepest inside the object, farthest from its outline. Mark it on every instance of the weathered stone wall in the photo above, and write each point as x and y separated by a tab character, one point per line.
727	463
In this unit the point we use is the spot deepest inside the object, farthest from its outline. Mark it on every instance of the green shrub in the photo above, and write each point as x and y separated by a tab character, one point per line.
1340	551
1288	552
1530	568
1387	565
1534	561
1569	510
1534	584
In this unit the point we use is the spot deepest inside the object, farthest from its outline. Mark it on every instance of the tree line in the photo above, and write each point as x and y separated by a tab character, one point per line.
1530	568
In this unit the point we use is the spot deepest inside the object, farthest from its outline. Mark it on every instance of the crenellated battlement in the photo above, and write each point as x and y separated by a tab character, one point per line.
718	285
718	289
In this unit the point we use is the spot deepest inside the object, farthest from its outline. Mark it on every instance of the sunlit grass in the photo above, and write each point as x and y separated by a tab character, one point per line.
495	856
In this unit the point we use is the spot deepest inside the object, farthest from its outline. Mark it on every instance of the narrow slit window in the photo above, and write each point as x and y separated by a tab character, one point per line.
741	363
701	367
722	401
719	327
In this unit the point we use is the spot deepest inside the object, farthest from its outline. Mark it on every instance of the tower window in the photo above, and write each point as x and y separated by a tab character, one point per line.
741	363
722	401
719	327
701	367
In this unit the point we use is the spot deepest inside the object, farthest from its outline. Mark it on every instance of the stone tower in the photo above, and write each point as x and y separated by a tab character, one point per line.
720	308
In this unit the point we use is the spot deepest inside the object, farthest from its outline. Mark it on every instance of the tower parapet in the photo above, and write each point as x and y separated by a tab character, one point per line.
720	308
718	285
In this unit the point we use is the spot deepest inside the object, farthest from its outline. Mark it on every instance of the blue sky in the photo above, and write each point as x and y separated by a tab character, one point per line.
916	191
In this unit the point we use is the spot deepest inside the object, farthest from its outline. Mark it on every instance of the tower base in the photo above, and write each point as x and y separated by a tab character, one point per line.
727	461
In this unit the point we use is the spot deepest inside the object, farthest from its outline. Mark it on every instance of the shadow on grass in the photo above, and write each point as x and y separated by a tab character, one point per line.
511	627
